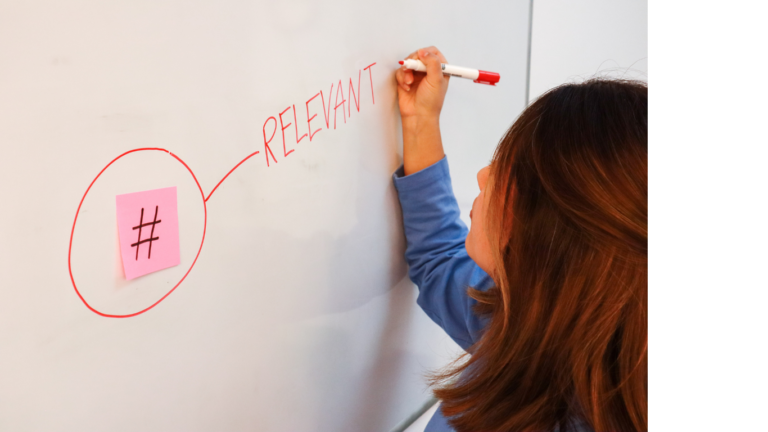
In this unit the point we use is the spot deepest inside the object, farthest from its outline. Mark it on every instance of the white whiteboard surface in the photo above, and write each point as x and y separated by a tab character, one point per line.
574	41
298	314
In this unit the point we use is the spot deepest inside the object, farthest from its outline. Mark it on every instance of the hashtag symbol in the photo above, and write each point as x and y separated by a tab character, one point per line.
151	233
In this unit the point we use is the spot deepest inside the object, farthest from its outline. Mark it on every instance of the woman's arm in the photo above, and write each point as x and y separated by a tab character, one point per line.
437	258
421	99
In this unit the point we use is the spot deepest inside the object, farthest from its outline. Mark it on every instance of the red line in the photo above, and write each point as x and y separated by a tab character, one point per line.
72	235
230	172
202	195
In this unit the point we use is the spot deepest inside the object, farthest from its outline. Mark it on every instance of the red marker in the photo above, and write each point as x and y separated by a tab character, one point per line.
479	76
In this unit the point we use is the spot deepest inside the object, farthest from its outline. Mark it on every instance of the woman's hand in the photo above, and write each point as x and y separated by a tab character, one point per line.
422	94
421	99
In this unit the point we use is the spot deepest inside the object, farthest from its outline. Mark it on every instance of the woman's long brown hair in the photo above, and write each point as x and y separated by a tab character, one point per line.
567	335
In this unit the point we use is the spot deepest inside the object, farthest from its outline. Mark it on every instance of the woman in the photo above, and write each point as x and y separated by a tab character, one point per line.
547	292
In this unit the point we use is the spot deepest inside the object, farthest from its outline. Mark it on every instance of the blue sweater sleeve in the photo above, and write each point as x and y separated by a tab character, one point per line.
438	260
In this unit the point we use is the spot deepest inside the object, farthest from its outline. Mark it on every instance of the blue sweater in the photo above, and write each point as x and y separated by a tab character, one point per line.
438	260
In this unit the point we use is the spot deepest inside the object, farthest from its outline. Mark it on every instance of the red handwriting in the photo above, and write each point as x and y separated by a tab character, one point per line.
282	130
345	104
370	74
267	149
343	101
205	198
340	101
327	113
309	119
296	126
354	95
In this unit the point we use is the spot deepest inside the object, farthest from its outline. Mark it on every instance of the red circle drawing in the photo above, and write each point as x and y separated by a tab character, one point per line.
71	236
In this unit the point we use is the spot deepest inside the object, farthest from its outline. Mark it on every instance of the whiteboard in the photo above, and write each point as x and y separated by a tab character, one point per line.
291	308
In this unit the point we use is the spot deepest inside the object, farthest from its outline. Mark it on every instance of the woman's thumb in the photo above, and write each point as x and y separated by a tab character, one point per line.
434	68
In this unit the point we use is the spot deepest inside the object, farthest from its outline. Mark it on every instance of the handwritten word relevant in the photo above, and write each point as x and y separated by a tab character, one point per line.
353	96
169	252
151	234
311	106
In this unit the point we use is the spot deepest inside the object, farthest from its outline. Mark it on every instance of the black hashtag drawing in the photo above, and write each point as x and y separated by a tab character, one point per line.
151	233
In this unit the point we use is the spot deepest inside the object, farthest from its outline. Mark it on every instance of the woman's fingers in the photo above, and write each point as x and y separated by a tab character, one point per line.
400	78
415	55
436	52
431	57
432	62
422	93
404	78
408	76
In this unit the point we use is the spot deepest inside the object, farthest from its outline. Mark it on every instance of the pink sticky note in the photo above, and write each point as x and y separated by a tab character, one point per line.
148	226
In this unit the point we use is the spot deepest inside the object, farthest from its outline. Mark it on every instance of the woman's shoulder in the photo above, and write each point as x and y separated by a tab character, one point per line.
438	423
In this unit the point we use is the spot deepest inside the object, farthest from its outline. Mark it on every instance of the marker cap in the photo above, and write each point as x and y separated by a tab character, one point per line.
490	78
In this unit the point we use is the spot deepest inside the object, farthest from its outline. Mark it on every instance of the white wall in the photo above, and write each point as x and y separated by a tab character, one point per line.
573	41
